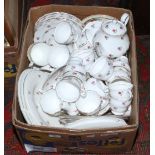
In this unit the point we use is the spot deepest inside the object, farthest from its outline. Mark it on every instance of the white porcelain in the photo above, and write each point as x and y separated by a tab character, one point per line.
68	91
128	112
119	104
119	74
48	120
118	111
70	108
50	103
38	54
125	95
98	86
109	46
123	69
53	78
63	33
93	24
104	109
96	123
89	104
58	56
75	61
122	64
59	16
112	40
75	68
87	56
28	91
96	17
102	90
120	85
101	68
21	97
82	42
91	28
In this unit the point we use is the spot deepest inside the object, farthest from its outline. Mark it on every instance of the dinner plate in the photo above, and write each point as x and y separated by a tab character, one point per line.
32	79
22	104
96	123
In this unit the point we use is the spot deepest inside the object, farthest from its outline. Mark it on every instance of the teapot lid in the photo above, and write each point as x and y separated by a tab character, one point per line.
114	28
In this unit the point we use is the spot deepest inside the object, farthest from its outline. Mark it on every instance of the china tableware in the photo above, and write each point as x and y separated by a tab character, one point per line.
112	40
101	68
97	17
89	104
28	91
58	56
87	56
70	108
21	98
96	123
120	85
98	86
51	81
50	103
67	90
93	24
38	54
119	74
125	95
47	120
68	33
104	109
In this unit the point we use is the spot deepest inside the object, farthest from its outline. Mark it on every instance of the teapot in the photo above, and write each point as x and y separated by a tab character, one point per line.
112	40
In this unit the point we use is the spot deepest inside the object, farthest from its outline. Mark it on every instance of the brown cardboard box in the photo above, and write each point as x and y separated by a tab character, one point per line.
77	141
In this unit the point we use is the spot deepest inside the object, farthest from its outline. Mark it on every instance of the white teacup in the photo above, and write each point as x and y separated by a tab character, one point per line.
120	104
89	104
38	54
68	90
123	96
118	111
120	85
119	74
59	56
98	86
101	68
50	103
64	33
119	107
122	62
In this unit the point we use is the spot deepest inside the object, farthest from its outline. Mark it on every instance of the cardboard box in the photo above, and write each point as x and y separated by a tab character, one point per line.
41	138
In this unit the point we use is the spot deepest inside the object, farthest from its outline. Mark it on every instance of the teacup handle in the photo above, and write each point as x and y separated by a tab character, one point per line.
125	18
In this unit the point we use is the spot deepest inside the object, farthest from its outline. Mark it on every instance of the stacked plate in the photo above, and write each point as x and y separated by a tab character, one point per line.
71	81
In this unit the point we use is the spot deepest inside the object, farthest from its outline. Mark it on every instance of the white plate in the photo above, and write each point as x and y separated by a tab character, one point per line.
31	81
22	104
97	123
